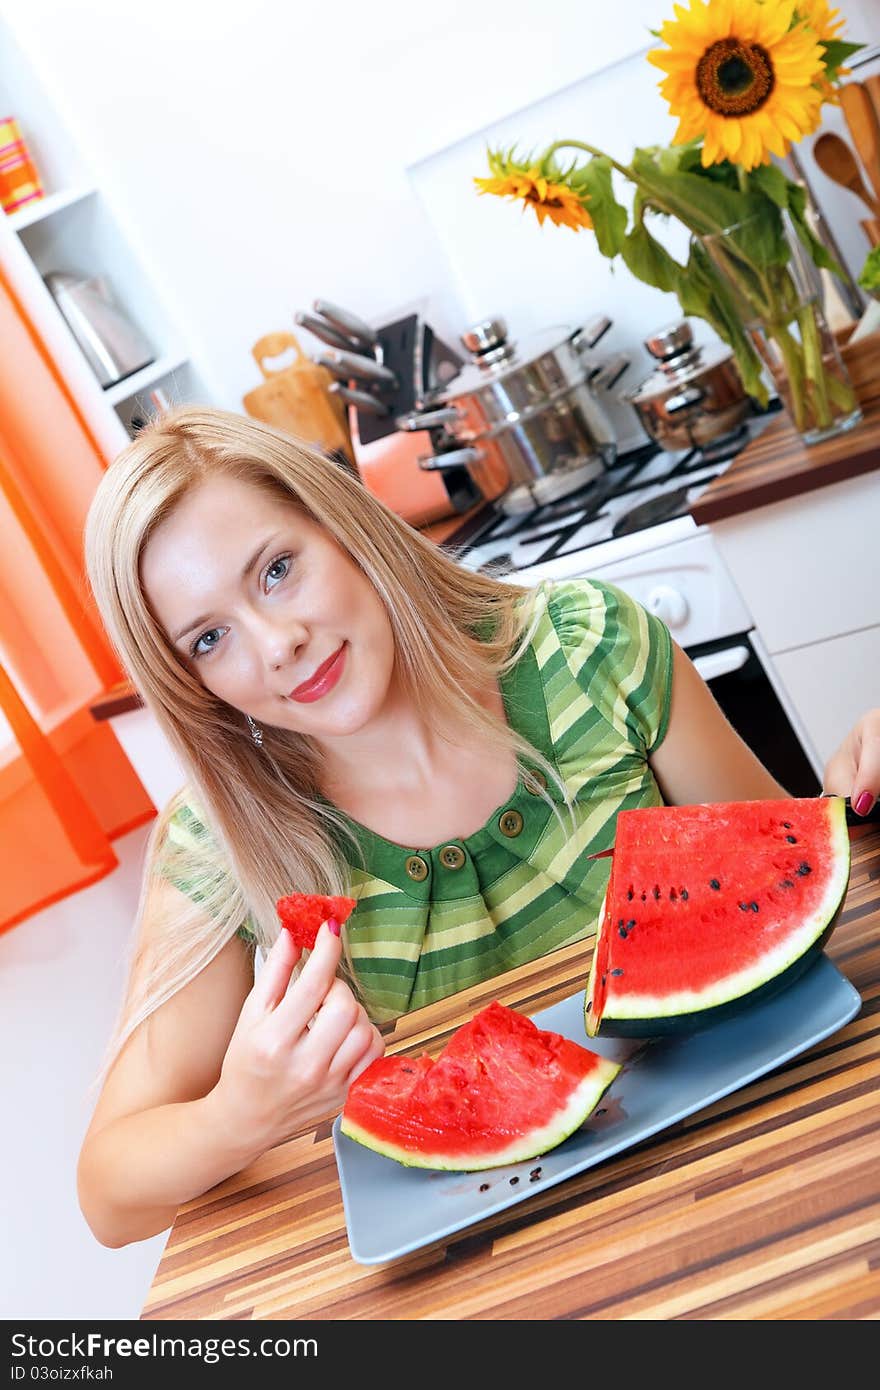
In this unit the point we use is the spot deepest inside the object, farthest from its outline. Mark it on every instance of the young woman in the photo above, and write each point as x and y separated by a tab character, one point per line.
357	714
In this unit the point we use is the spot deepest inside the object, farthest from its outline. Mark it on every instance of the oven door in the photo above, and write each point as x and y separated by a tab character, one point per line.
737	679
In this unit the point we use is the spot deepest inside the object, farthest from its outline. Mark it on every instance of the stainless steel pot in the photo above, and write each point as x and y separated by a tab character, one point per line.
695	395
526	408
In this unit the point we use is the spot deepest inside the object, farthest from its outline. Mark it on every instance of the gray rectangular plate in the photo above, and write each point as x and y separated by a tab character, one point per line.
391	1210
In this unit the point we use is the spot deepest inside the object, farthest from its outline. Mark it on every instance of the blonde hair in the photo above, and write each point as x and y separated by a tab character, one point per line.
232	861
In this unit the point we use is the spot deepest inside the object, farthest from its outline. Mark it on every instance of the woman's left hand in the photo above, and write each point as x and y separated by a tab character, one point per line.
854	770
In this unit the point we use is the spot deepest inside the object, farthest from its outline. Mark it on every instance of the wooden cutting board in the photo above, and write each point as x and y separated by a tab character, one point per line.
295	398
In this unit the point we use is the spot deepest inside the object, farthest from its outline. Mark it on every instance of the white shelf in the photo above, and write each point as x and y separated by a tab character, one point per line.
45	207
139	381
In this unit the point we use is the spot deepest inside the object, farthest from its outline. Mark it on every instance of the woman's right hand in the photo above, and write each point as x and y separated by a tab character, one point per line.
296	1047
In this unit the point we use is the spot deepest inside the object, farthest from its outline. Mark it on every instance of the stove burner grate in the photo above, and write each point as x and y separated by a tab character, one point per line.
662	508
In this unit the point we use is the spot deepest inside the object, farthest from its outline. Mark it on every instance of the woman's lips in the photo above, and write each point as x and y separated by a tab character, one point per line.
324	679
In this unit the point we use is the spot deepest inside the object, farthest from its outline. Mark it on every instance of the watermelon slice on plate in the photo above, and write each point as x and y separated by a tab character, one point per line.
304	913
502	1090
709	908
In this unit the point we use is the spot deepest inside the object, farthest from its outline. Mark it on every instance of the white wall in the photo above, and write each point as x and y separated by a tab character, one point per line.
261	155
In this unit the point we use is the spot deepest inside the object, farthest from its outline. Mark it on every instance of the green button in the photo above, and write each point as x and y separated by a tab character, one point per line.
510	824
416	868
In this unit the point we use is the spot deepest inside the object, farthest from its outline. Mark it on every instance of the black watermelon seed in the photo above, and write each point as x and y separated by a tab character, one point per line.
620	921
534	1175
617	970
684	894
713	883
622	930
484	1187
589	1005
604	978
754	907
408	1070
629	895
514	1181
786	825
631	923
786	883
657	890
791	839
804	869
644	897
743	907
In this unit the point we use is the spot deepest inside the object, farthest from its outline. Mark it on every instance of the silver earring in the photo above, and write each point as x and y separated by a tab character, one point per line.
256	732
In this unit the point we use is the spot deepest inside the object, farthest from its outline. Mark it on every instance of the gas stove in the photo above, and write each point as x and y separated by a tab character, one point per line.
640	503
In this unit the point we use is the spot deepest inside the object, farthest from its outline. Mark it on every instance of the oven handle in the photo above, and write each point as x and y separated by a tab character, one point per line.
715	664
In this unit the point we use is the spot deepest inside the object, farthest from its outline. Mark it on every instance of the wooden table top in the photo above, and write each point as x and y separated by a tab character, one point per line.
777	464
765	1205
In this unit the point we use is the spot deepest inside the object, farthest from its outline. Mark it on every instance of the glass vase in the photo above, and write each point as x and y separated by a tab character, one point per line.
776	290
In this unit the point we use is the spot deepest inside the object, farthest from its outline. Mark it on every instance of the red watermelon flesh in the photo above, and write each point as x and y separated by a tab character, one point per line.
709	907
501	1091
303	914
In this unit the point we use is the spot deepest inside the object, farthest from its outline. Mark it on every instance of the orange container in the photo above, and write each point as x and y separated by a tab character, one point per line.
19	180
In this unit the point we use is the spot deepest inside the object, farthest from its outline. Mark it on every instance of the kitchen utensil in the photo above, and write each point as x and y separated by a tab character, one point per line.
324	330
694	396
347	324
296	398
364	401
871	227
529	405
113	346
391	1210
863	124
835	158
344	365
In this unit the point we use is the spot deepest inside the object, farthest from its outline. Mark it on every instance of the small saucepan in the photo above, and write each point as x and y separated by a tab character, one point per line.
696	394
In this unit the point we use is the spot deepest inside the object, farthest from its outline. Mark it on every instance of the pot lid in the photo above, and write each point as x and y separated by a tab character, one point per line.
477	375
668	378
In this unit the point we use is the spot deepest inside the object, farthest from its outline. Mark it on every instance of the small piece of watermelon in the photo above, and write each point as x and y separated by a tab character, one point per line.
712	907
302	914
501	1091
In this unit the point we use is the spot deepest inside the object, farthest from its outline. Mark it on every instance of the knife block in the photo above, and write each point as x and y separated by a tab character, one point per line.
296	398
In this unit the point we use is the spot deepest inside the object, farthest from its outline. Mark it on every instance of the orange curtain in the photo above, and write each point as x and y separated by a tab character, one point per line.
67	789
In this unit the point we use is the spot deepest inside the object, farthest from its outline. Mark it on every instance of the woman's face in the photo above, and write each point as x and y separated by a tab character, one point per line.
257	599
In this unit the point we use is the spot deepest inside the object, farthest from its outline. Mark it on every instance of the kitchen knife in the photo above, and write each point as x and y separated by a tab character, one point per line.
325	331
347	364
362	399
347	324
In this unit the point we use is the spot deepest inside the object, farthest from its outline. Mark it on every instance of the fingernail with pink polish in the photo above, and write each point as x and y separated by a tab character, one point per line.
334	926
863	803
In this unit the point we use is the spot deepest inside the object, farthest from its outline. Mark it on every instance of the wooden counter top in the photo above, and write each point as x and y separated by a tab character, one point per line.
762	1206
777	464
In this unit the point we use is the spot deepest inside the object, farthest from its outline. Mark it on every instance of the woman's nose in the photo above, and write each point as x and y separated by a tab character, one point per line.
279	641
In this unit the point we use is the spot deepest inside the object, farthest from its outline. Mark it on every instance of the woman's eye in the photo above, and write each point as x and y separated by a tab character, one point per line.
198	649
281	568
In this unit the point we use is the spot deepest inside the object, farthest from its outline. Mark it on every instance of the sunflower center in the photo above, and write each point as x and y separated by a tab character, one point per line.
735	78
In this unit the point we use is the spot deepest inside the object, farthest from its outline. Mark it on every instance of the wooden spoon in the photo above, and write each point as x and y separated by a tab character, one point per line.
863	124
835	158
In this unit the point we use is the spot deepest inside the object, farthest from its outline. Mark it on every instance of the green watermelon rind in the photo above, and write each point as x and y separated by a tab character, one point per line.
580	1104
640	1016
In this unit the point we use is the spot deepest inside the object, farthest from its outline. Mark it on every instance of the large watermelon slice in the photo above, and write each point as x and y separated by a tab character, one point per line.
709	908
501	1091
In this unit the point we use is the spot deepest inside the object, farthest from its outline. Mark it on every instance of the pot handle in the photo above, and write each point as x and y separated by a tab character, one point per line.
455	458
428	419
691	395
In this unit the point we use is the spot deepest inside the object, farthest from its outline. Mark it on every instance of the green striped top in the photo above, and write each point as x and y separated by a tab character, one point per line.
592	693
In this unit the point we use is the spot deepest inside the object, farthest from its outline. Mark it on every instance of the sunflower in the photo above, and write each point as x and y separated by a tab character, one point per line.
828	28
743	75
547	196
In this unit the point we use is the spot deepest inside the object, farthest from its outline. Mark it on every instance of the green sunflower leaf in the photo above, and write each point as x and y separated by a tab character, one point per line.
836	54
593	181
